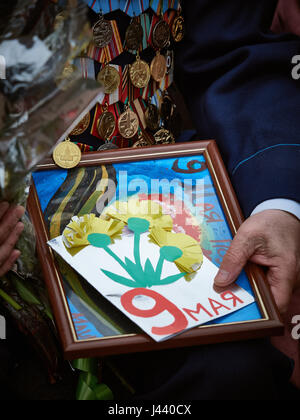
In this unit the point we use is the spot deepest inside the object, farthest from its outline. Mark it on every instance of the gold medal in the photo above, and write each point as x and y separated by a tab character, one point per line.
109	78
140	73
67	155
106	124
152	117
134	35
82	126
142	142
178	29
128	124
164	136
158	67
161	35
67	77
102	32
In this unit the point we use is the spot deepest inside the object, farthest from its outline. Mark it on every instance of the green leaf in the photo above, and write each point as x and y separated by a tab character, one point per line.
136	272
150	273
26	293
119	279
170	280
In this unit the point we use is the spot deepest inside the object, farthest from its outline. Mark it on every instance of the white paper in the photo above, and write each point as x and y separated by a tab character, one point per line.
193	303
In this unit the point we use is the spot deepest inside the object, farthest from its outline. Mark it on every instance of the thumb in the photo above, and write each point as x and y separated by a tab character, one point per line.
240	251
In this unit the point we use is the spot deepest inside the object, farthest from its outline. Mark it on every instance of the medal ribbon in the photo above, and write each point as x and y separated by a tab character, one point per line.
140	6
146	25
155	20
111	51
106	6
173	4
161	6
126	7
87	67
156	6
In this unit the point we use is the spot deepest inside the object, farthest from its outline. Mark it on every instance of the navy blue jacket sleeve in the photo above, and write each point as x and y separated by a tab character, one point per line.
236	78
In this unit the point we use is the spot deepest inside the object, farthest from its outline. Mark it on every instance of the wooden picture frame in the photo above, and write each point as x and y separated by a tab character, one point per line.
268	324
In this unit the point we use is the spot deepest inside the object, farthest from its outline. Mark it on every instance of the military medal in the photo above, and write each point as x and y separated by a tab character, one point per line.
134	35
140	73
161	35
164	136
102	32
128	124
178	28
67	77
67	155
142	142
106	124
152	117
82	126
109	78
158	67
108	145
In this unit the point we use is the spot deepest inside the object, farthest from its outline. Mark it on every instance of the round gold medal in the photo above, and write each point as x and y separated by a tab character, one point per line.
82	126
67	77
106	125
161	35
67	155
158	67
128	124
110	79
178	29
102	32
140	73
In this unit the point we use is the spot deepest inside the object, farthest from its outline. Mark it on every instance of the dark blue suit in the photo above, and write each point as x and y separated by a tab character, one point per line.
236	78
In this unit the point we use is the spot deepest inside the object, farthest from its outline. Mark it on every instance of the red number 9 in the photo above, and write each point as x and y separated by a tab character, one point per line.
161	304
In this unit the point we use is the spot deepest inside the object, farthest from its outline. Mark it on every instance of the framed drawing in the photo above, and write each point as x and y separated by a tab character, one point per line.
190	184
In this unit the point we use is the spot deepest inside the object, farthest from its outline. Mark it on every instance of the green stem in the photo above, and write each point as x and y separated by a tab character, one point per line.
137	254
116	258
159	268
9	300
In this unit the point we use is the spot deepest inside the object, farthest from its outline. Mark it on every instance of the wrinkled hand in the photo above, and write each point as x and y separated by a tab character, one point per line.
10	231
271	239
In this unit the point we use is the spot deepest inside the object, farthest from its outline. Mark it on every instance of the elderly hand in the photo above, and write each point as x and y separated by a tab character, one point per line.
10	231
271	239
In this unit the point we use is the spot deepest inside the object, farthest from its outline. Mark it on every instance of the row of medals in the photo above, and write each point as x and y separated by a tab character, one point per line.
140	74
68	155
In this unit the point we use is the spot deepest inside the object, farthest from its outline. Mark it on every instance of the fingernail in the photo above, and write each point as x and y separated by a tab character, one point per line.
20	227
20	211
222	278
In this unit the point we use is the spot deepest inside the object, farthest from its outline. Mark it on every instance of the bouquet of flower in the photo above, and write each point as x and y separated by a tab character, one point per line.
39	100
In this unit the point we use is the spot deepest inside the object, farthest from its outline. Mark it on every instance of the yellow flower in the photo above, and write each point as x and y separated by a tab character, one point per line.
76	233
192	256
144	209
